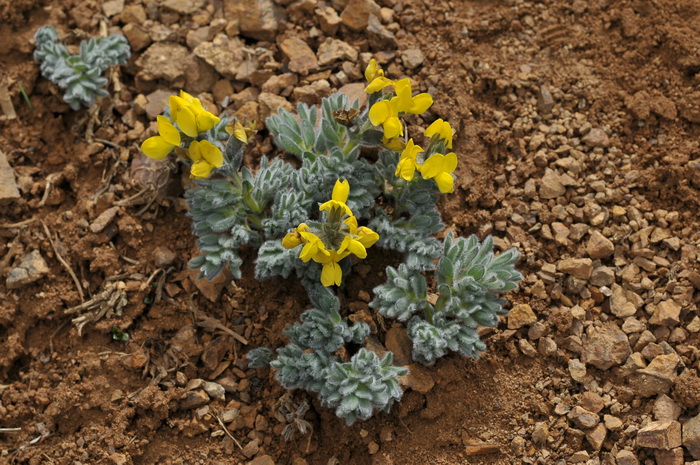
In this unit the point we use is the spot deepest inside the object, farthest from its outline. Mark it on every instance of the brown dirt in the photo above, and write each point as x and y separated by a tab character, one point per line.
630	67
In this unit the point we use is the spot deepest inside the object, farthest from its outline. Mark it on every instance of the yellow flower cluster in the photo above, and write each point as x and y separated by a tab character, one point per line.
336	238
387	113
188	113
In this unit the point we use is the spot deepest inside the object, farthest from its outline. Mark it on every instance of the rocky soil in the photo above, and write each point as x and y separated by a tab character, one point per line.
579	144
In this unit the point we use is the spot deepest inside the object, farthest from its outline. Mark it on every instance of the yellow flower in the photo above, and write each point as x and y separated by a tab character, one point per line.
331	273
375	78
440	168
294	238
190	115
313	247
158	147
441	129
386	114
406	103
206	157
407	164
367	237
341	190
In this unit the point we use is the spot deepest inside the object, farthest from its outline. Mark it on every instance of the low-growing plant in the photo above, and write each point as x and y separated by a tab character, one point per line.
329	209
80	75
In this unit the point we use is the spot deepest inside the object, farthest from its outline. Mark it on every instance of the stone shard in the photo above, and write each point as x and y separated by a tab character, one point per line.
599	246
691	436
31	268
164	60
667	313
183	7
357	12
8	186
521	315
605	346
333	50
551	186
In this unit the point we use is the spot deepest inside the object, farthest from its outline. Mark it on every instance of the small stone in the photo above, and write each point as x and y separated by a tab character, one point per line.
215	390
669	457
32	267
602	276
9	190
526	348
633	325
596	137
163	256
580	456
398	342
302	59
597	436
379	37
164	60
277	83
104	219
194	399
626	457
481	448
183	7
540	433
257	19
157	102
619	305
660	435
583	418
691	436
605	346
118	459
599	246
412	58
356	14
694	325
262	460
577	370
271	103
521	315
581	268
230	415
545	102
313	93
667	313
328	20
211	289
546	346
112	7
666	409
592	402
333	50
551	186
612	423
355	92
418	379
133	14
252	448
227	57
372	448
137	36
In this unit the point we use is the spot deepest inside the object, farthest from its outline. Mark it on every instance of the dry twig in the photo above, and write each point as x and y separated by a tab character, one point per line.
65	264
111	299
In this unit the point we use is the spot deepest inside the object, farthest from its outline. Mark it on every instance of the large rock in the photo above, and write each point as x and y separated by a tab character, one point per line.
605	346
31	268
660	435
599	246
8	186
551	187
333	50
657	377
356	14
257	19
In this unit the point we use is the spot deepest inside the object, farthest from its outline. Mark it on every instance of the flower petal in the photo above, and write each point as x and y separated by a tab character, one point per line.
206	121
403	100
355	246
379	112
331	274
211	153
352	224
421	103
167	131
310	249
291	240
445	182
377	84
156	147
200	169
187	122
450	162
392	127
195	151
367	237
433	166
341	190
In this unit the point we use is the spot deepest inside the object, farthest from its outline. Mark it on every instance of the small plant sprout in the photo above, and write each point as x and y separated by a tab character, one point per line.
319	216
80	75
